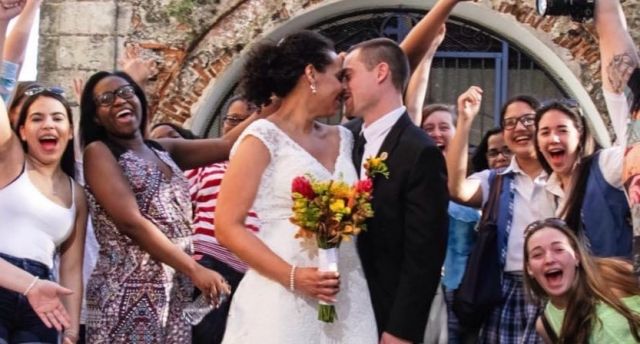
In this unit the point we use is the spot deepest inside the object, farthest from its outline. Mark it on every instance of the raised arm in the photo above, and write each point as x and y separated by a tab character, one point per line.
420	39
417	88
8	73
11	153
238	191
71	257
190	154
462	189
619	58
16	44
116	197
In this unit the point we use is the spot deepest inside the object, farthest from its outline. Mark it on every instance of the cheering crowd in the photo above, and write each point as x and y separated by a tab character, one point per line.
111	227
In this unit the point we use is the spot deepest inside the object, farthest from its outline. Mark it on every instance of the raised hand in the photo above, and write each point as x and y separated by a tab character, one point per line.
469	103
44	298
10	9
140	69
316	284
78	86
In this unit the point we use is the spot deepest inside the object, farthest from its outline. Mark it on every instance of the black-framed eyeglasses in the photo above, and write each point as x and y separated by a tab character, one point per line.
552	222
233	119
107	98
493	153
31	91
527	119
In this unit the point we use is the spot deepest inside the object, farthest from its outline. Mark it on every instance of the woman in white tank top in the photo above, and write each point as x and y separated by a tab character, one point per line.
42	210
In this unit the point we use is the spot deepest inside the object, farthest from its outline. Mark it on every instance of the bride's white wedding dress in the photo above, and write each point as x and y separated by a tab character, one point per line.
263	311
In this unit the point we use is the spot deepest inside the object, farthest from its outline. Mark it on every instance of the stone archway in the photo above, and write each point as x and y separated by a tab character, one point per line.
200	48
506	26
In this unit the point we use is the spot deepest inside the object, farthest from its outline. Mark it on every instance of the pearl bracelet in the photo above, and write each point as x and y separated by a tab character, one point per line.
33	283
292	278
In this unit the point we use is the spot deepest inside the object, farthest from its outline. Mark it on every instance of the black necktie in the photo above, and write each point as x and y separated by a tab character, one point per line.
358	151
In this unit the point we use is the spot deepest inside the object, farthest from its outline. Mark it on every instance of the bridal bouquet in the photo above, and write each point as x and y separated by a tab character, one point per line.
330	211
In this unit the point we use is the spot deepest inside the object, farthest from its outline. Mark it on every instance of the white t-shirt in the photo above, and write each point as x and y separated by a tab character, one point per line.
530	203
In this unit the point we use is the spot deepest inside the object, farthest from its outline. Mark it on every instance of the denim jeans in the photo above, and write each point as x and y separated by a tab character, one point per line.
458	334
211	329
18	322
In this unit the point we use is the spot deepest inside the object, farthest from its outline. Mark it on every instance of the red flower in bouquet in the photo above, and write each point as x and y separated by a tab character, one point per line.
302	185
364	185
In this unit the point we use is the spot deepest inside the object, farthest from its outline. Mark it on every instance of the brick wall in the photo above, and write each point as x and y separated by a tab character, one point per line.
195	40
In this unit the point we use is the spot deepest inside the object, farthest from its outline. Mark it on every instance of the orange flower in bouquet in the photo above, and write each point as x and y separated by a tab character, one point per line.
331	212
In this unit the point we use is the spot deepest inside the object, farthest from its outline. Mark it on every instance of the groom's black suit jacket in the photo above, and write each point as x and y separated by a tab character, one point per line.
403	249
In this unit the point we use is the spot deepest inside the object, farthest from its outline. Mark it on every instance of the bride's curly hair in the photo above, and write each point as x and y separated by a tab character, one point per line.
274	68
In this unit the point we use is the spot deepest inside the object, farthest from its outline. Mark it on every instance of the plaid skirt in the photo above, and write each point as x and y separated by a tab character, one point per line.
514	321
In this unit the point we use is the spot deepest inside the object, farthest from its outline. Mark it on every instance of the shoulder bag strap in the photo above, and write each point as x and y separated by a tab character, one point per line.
548	329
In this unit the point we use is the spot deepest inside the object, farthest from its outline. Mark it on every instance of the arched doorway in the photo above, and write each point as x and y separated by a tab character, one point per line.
483	47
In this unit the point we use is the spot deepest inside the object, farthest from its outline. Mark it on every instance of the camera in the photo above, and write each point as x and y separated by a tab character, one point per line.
579	10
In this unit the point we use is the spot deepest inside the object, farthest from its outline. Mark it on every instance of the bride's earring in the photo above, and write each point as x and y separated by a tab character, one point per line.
313	88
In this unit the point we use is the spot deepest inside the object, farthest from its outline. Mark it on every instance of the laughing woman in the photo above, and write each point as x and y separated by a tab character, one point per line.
141	212
42	210
589	300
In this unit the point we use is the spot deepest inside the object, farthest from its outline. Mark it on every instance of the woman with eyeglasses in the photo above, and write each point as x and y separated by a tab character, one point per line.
522	200
585	299
492	152
43	212
141	212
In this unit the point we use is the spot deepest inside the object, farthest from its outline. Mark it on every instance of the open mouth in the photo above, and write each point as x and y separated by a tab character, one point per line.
125	115
48	142
557	154
522	139
554	276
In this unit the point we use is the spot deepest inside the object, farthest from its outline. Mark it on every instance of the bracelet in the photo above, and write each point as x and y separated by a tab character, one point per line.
292	278
33	283
73	335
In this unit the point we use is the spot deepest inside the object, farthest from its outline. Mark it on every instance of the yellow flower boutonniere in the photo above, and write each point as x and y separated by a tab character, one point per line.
376	165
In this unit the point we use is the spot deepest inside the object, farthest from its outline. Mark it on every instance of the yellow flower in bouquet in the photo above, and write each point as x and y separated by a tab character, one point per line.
331	212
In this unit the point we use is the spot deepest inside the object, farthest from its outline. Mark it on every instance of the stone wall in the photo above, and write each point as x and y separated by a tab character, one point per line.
193	41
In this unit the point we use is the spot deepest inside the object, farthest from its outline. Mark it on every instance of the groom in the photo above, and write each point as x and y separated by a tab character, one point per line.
404	246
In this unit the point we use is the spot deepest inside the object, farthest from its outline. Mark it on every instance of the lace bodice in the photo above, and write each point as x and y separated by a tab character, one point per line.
290	160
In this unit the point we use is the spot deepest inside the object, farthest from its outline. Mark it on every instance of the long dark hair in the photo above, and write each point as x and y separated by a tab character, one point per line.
90	130
594	282
572	210
275	68
479	159
68	162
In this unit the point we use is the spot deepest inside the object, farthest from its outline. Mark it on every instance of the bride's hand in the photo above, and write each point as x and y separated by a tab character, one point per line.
320	285
210	283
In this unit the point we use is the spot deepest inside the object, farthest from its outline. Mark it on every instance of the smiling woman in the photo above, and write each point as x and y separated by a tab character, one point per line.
589	299
39	196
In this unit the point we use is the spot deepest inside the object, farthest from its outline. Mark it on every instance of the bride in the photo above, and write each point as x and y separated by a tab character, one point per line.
277	300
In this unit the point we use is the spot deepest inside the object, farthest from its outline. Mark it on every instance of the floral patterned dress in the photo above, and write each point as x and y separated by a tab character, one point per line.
132	297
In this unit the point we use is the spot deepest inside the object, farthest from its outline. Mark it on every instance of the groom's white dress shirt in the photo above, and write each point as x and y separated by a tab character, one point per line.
376	132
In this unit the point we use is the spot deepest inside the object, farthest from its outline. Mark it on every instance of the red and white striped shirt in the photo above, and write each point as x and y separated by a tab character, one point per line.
204	186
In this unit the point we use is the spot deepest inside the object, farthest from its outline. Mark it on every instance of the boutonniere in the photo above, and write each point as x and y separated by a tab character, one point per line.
376	165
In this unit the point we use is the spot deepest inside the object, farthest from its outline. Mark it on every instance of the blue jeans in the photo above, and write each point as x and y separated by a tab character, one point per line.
18	322
458	334
211	329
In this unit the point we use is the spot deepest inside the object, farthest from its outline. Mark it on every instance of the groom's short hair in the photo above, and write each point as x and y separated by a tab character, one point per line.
377	50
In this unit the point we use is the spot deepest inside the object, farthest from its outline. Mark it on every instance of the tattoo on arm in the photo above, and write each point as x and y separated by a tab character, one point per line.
620	69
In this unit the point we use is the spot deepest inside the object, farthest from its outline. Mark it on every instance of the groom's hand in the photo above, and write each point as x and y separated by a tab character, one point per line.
388	338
